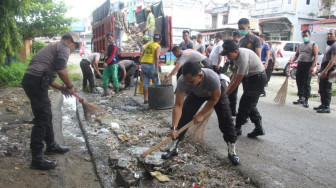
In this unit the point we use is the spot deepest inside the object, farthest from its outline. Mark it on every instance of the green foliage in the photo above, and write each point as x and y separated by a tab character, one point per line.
37	46
46	18
10	38
170	62
74	75
26	19
12	75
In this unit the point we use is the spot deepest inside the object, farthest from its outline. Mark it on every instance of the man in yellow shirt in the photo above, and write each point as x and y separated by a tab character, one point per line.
150	64
150	26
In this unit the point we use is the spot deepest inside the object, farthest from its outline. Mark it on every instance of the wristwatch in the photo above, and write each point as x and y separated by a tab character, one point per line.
70	87
173	128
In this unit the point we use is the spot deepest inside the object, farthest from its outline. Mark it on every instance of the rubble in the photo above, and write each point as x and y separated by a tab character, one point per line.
138	131
134	41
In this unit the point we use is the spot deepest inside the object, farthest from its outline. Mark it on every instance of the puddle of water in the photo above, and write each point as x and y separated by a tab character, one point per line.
70	123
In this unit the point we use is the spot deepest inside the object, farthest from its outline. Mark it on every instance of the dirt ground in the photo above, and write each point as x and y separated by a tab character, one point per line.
79	169
75	168
83	167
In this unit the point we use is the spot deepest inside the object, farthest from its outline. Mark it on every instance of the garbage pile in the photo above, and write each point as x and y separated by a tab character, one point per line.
133	42
128	128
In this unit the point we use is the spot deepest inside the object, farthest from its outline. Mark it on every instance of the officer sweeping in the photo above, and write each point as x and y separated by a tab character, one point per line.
86	64
249	70
202	85
49	62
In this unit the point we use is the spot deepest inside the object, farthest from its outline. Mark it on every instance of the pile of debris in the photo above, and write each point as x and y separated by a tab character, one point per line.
134	41
128	128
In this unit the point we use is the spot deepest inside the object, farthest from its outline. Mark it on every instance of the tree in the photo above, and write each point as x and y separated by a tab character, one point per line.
10	38
27	19
46	18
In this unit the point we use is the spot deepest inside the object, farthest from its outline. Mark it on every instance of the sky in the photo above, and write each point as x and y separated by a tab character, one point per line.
82	8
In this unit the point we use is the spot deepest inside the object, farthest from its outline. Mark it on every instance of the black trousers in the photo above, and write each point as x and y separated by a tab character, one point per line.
303	79
233	98
221	69
41	107
253	86
269	70
130	75
87	73
325	88
193	103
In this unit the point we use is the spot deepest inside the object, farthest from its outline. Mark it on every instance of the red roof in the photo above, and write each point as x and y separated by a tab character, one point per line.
326	21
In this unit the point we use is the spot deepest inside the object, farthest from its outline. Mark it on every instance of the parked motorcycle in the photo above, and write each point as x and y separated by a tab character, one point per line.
293	68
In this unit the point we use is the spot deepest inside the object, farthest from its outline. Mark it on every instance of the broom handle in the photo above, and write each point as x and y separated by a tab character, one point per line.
79	98
191	123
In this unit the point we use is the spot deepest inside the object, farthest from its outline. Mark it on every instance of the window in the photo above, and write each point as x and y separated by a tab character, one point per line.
289	47
225	19
289	1
307	2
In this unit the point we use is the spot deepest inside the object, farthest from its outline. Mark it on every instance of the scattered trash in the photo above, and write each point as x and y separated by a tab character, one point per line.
114	126
136	175
103	130
160	176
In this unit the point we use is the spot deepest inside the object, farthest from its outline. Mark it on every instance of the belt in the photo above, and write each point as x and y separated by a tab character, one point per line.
148	63
258	74
85	61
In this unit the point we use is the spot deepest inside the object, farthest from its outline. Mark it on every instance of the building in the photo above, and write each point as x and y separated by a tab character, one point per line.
282	19
327	9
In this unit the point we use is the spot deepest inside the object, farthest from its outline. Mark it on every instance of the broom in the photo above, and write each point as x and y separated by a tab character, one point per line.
197	134
89	109
281	96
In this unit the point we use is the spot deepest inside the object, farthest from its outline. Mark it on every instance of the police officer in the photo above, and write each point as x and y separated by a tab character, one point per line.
306	54
92	60
188	55
202	85
127	70
49	62
328	63
250	71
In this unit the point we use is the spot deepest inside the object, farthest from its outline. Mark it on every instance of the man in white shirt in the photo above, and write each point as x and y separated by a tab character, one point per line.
215	56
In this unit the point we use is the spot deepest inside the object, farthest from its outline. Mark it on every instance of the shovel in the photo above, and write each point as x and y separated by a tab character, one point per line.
185	127
89	108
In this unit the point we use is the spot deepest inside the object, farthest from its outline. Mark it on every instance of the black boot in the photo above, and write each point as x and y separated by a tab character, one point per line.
93	90
305	103
299	101
105	92
238	129
172	151
232	154
55	148
319	107
258	130
41	163
116	90
326	109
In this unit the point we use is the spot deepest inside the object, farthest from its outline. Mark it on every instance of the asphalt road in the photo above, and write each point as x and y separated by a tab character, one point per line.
298	149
